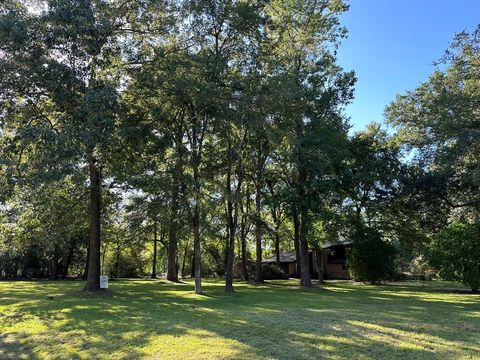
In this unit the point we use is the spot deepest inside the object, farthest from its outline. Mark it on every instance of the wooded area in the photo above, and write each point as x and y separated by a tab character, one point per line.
198	137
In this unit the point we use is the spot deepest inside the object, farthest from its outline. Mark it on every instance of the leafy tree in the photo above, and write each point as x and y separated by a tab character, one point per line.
371	174
204	131
439	123
51	232
60	114
311	91
370	258
454	251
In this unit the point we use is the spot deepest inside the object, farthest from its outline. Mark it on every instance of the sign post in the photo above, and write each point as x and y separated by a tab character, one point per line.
103	282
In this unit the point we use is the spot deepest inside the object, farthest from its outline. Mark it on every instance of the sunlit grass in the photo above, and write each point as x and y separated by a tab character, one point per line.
156	319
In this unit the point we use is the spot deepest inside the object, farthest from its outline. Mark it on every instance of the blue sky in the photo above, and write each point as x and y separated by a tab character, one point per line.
392	45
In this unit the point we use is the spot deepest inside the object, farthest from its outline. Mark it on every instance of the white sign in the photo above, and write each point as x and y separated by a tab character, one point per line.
103	282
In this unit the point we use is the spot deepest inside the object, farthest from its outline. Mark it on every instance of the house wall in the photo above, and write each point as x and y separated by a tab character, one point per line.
292	269
333	268
284	266
335	271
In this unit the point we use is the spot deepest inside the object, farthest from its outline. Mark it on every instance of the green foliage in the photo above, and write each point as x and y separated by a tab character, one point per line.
437	127
456	254
131	263
273	272
47	230
421	269
438	122
221	121
370	258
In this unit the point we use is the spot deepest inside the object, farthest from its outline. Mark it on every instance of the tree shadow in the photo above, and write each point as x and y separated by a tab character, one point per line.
11	349
342	320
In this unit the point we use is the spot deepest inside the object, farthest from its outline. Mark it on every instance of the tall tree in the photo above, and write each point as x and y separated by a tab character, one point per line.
438	125
65	98
302	34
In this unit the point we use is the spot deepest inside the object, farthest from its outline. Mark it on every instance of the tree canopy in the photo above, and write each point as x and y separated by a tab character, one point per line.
195	138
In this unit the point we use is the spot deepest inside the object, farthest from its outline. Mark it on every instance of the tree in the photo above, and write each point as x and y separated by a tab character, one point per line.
454	251
216	127
371	174
312	91
50	227
277	213
64	101
439	123
370	258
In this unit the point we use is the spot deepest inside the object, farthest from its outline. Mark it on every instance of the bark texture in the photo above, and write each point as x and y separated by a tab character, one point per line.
93	273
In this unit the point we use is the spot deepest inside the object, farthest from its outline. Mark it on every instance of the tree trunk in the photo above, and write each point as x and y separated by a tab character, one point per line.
302	202
117	259
258	231
196	229
54	264
305	277
276	219
230	251
244	233
319	265
93	274
197	250
172	268
154	258
232	215
277	248
172	274
196	143
245	275
296	241
85	268
184	260
68	261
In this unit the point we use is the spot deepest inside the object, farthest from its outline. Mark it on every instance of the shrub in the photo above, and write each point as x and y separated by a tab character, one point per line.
128	265
371	259
269	271
237	268
273	272
421	269
455	253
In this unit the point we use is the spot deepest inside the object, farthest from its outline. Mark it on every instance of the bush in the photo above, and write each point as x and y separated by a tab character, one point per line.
237	268
455	253
129	265
269	271
371	259
421	269
273	272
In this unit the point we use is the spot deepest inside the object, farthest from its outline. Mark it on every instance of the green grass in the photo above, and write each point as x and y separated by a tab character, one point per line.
158	320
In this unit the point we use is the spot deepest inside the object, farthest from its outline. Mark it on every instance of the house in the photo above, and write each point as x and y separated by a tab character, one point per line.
333	262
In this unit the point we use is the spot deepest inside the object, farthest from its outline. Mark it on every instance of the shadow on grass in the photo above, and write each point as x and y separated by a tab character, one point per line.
139	318
12	349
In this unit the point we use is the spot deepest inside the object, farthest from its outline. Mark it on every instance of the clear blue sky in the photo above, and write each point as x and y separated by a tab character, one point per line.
392	45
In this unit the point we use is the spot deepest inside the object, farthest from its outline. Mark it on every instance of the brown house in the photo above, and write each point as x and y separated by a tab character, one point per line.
333	262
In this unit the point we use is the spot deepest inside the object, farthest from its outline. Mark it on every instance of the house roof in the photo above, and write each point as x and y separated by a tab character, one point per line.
337	243
290	256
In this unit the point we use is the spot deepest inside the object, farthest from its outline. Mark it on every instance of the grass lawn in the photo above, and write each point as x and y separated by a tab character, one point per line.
157	320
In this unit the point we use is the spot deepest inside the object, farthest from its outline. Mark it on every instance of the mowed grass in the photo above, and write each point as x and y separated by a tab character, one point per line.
160	320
